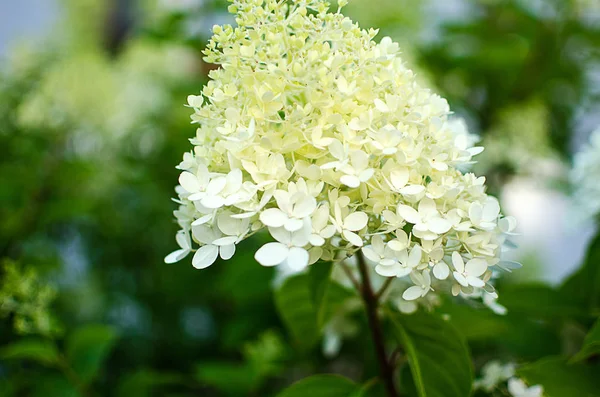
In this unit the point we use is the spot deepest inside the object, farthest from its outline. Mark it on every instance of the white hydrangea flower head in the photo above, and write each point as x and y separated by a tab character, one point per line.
584	178
321	136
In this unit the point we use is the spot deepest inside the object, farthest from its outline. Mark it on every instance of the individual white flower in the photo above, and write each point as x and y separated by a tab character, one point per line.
387	140
428	223
185	244
348	224
195	184
215	244
321	228
292	209
485	216
518	388
494	373
222	191
288	248
469	273
422	281
391	263
357	171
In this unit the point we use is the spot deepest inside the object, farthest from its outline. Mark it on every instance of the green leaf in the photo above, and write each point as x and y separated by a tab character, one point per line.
475	324
146	383
307	301
538	300
232	378
294	301
322	386
437	354
320	279
583	287
591	344
53	385
560	379
87	348
328	295
41	351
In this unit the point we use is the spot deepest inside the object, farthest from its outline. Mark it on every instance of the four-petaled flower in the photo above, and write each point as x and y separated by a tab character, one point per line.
469	273
422	281
288	248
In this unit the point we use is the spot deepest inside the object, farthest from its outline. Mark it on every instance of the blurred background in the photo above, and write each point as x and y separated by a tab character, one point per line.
92	124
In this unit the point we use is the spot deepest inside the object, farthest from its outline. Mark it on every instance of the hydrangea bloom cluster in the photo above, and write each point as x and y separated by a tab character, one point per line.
315	132
584	177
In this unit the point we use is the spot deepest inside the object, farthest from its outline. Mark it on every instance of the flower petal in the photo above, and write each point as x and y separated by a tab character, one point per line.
273	217
351	181
399	177
297	258
227	251
189	182
461	279
458	262
352	238
439	225
293	224
414	258
227	240
386	271
356	221
216	185
212	202
409	214
370	254
176	256
271	254
183	239
441	271
205	256
411	190
475	282
476	267
305	207
412	293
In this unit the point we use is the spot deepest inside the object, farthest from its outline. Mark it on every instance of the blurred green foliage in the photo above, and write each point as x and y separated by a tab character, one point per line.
92	124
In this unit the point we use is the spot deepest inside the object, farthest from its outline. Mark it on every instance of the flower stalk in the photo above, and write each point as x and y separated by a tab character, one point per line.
371	305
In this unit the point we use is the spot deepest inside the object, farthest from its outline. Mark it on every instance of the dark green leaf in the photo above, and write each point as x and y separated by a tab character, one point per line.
232	378
475	323
306	302
560	379
294	301
88	347
329	296
538	300
41	351
144	383
53	385
591	344
320	279
322	386
437	355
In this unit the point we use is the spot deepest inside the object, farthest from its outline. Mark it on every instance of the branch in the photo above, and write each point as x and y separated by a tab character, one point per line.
385	368
350	276
384	288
